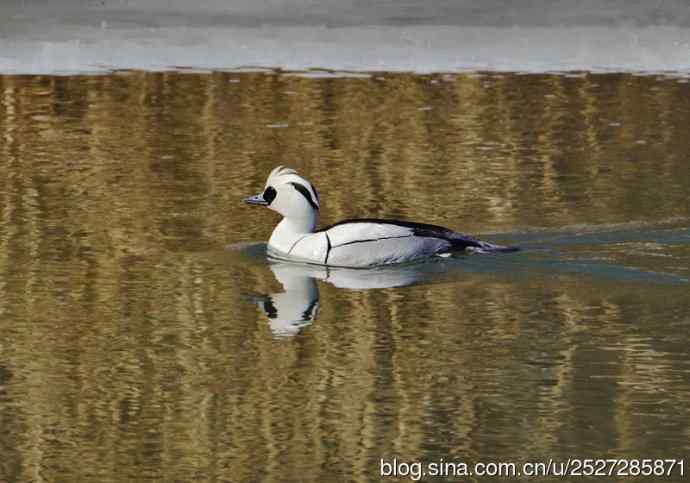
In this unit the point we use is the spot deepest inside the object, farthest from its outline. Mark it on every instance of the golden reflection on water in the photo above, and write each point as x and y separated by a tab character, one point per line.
129	351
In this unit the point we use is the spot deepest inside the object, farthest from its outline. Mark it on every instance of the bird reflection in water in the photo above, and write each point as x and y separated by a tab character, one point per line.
297	306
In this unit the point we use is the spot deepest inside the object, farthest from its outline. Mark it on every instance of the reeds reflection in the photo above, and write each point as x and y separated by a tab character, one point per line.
128	349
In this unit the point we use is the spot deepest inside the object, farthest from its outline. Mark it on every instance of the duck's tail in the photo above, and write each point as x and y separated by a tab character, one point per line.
470	244
486	247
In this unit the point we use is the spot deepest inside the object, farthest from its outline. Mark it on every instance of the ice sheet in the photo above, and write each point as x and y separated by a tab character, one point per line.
71	36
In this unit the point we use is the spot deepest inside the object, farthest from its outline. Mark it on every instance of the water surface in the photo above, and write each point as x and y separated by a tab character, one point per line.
135	345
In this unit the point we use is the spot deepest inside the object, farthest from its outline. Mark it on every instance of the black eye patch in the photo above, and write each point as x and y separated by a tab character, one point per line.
269	195
306	194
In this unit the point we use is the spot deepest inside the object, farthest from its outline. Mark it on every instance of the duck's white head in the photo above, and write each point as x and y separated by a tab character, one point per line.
292	196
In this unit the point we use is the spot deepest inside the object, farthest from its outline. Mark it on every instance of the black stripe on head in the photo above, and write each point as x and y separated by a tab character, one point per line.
269	194
305	192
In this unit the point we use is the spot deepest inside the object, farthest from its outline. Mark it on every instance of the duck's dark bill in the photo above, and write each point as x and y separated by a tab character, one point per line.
256	200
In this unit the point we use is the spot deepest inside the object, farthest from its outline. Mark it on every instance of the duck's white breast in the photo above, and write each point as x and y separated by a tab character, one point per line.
312	248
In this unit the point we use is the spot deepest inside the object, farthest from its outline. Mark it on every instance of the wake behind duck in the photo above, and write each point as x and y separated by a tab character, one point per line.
363	242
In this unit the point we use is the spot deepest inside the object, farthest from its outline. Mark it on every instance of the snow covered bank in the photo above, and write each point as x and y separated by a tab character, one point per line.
71	36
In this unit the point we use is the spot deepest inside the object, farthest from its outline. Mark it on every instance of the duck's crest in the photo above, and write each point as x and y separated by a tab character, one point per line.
281	171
